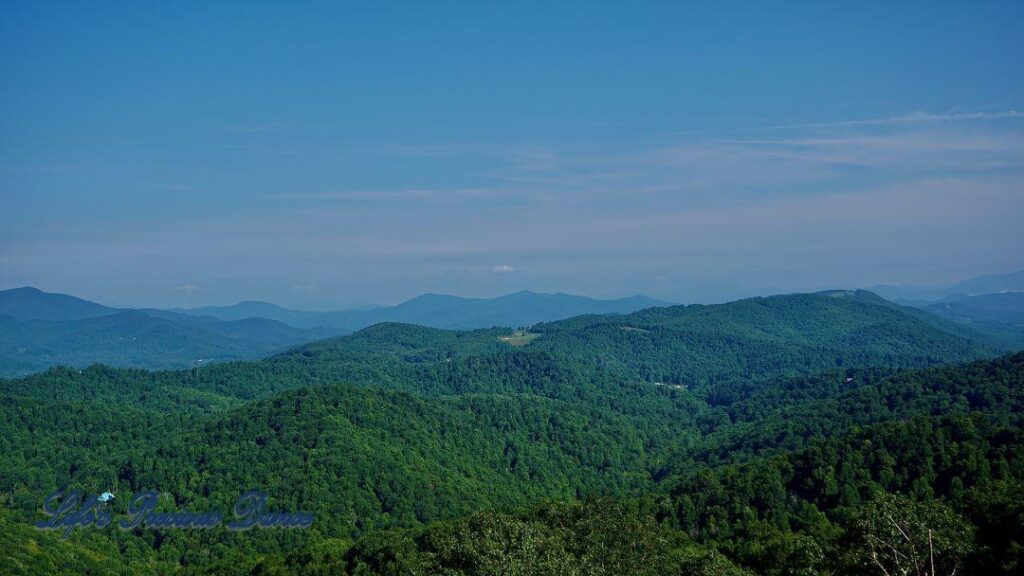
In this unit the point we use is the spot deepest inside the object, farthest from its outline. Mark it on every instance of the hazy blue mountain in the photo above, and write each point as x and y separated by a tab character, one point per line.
248	328
1003	308
441	311
519	309
40	329
919	295
999	315
1012	282
258	309
77	332
29	303
910	295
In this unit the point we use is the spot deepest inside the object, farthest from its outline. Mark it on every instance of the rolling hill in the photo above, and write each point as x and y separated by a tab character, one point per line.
496	428
39	330
414	446
755	338
592	356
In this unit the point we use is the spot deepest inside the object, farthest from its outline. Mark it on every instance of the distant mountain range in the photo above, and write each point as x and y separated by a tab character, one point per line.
33	304
1000	315
918	295
440	311
992	305
40	329
1002	308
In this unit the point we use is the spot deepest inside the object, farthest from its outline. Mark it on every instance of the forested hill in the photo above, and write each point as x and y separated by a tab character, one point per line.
762	337
681	346
365	459
689	346
430	451
686	345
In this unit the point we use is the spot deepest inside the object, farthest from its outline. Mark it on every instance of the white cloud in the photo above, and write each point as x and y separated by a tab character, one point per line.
502	269
187	288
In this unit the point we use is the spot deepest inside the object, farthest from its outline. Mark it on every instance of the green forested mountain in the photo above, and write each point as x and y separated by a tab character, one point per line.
763	436
952	482
758	338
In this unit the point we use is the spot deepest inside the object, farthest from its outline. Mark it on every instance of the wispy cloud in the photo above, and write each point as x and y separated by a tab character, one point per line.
939	151
856	204
910	118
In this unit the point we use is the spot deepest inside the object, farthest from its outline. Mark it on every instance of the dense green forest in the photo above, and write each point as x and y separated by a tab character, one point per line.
783	435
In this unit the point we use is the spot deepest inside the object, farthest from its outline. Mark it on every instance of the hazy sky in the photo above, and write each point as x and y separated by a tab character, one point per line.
176	153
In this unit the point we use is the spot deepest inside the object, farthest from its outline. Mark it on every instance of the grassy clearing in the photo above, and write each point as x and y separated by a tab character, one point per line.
519	338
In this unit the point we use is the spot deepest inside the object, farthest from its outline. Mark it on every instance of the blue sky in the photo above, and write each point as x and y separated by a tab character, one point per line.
176	153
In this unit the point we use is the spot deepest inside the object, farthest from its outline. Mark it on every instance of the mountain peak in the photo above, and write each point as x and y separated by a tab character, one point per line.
23	290
30	303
